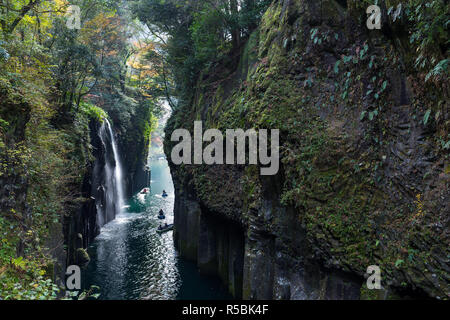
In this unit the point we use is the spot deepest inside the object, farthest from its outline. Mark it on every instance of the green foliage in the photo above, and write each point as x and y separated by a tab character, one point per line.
21	278
93	112
426	117
50	78
199	34
4	55
207	34
430	20
441	70
399	262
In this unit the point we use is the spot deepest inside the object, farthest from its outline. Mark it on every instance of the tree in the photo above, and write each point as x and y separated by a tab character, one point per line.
195	34
12	13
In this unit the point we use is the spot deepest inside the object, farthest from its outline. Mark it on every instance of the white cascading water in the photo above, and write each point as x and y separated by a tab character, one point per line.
117	171
113	178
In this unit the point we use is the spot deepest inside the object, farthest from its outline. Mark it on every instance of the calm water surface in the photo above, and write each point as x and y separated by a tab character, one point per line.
129	260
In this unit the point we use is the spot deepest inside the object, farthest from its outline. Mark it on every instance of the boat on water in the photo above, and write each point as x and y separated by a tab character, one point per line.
164	194
144	191
164	229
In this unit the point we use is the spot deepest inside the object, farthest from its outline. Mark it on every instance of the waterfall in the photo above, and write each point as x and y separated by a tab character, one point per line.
109	178
117	170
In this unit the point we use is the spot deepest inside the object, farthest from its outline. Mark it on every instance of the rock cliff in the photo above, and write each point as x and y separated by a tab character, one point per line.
364	178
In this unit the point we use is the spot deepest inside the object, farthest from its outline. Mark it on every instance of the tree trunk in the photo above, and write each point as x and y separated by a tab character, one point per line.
236	32
23	12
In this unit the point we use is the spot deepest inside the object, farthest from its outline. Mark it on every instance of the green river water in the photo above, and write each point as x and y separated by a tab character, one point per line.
130	260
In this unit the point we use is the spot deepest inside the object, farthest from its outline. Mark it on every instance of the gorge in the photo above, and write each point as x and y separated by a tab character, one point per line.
354	175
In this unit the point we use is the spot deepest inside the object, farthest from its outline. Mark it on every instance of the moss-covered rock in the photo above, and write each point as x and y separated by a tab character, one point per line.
362	174
82	257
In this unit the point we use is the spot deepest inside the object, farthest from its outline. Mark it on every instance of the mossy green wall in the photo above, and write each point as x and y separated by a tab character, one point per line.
363	172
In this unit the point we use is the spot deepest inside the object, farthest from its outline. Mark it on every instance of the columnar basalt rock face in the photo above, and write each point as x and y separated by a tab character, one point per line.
15	111
363	179
81	223
216	244
99	189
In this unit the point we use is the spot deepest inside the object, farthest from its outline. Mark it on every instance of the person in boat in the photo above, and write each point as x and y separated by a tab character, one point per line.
161	212
164	193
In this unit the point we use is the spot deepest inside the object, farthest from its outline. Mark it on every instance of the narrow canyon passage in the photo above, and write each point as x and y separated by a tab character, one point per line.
130	260
252	150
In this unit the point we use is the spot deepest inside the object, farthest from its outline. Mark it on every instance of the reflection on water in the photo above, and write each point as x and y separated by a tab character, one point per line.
129	260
